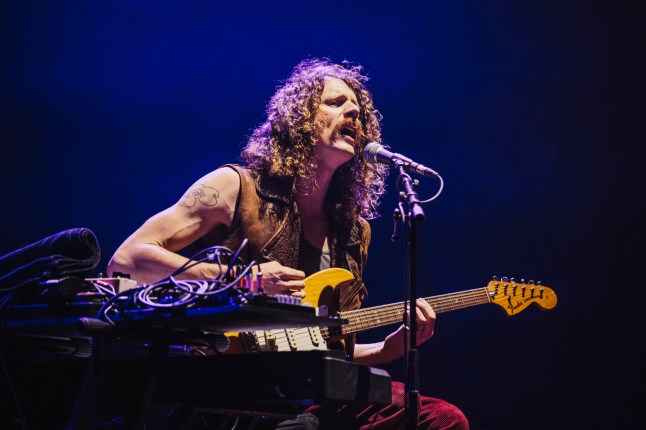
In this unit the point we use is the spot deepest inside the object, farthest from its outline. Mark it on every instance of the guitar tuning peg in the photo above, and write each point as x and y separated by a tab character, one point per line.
513	280
539	282
531	282
495	278
504	279
522	280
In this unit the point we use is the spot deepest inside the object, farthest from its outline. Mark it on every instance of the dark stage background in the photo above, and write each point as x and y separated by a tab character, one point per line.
533	113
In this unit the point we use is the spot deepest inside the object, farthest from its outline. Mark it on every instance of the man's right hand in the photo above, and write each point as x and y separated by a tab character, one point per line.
279	279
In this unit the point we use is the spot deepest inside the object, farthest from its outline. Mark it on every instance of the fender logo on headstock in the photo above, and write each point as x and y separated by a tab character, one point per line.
520	304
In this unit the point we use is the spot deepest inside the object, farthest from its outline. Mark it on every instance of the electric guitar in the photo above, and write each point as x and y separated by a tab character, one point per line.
511	296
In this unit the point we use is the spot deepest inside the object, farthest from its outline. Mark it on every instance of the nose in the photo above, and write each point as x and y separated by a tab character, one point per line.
351	110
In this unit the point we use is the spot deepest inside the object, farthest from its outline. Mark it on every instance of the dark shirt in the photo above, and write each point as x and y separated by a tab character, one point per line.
312	259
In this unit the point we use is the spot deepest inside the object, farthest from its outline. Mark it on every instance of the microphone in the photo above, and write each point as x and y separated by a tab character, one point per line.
375	153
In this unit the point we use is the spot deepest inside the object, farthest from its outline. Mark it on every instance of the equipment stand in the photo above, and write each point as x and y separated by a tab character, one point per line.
410	217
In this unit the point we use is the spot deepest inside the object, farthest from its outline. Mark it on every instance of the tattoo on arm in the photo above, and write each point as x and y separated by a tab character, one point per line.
208	196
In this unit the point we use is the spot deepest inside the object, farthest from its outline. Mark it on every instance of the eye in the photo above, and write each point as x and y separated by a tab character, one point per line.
333	102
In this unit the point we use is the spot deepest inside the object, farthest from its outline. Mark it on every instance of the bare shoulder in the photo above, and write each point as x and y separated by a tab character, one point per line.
219	188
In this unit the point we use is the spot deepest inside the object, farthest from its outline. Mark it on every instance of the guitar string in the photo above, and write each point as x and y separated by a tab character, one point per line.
387	314
391	313
364	318
300	335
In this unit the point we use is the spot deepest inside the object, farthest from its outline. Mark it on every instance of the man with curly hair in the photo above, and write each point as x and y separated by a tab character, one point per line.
301	198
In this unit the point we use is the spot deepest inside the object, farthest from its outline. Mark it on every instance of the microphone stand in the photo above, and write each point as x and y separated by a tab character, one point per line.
410	217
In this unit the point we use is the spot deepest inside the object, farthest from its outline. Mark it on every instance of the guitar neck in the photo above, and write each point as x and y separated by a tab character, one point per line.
378	316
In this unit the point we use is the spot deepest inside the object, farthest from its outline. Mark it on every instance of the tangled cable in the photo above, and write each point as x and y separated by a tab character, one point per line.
170	293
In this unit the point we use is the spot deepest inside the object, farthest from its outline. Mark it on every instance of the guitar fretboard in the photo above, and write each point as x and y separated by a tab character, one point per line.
378	316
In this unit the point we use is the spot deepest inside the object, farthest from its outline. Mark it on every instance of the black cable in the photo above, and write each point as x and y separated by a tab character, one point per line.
184	267
235	257
169	292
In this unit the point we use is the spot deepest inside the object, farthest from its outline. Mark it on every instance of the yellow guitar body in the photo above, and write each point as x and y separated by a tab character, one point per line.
319	289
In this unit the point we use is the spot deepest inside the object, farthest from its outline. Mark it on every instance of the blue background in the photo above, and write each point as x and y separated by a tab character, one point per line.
532	112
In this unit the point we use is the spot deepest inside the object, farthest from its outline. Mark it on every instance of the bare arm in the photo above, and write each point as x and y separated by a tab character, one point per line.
148	255
372	354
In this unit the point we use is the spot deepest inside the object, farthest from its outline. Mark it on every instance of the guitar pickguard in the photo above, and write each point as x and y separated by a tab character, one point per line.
285	340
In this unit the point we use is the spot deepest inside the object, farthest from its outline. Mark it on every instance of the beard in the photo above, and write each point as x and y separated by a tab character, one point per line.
354	124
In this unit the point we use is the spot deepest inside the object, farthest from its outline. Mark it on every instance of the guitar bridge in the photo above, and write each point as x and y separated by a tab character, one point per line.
251	342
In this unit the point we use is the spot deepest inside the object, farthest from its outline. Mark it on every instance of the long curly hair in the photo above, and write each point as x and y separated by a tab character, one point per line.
282	148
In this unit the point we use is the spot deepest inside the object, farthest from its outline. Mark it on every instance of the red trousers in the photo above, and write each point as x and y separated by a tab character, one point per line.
433	414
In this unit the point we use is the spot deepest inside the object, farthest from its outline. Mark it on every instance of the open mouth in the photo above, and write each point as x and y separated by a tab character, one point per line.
348	131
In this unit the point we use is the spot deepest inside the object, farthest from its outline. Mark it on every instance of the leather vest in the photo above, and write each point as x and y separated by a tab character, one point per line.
269	219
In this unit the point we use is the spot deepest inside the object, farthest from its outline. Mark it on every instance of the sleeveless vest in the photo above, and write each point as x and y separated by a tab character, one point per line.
271	223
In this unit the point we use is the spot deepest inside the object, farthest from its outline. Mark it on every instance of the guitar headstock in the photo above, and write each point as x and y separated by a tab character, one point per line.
514	296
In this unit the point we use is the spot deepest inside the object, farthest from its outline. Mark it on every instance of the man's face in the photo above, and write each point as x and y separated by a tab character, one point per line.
338	124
